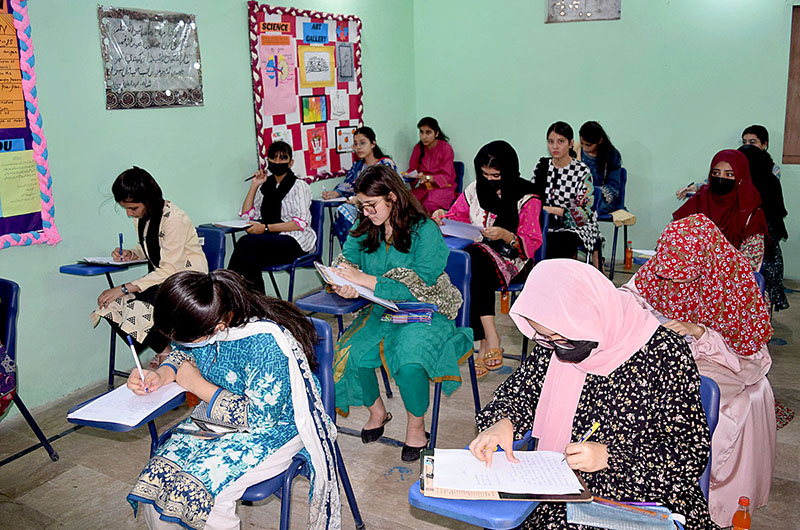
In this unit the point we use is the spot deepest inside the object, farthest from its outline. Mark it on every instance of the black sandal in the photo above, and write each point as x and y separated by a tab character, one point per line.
372	435
411	453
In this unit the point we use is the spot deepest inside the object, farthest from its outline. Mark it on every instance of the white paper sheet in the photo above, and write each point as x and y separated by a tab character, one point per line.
235	223
335	199
329	275
108	260
462	230
649	253
538	472
122	406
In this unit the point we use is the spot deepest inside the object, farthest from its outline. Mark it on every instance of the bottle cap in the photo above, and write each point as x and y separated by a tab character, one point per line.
744	501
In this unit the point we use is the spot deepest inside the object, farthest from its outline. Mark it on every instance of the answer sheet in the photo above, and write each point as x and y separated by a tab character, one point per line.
462	230
108	260
538	472
124	407
329	275
234	223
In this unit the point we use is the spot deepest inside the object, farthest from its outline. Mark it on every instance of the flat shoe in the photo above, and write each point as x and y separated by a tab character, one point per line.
494	354
480	369
411	453
371	435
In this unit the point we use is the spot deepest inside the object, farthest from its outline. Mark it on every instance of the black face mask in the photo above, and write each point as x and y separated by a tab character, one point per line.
721	186
495	184
278	168
580	352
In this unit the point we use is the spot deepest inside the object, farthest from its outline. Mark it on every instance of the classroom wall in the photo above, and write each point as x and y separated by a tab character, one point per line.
672	83
199	156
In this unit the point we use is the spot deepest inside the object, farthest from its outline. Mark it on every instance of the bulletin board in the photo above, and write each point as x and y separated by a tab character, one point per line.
26	200
306	86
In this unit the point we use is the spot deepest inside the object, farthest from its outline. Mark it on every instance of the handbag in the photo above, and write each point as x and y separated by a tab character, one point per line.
502	248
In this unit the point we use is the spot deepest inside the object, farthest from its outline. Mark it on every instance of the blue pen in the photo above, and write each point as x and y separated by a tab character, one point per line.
136	360
120	246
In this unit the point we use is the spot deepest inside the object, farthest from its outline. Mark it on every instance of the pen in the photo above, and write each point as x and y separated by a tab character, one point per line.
586	435
602	500
120	246
136	359
250	178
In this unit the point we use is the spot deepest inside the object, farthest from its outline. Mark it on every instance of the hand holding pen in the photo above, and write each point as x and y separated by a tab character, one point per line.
258	178
120	254
585	456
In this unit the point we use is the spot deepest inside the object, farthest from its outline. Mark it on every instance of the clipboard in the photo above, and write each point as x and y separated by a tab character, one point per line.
427	489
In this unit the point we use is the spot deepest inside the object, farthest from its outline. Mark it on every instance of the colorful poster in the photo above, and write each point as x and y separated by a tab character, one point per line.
317	147
345	70
12	101
344	139
316	66
315	109
276	56
282	135
315	33
19	184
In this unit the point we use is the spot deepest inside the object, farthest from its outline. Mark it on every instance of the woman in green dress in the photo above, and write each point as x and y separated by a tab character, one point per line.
399	252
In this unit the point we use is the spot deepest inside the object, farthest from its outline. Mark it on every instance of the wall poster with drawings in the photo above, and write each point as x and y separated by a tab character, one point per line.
26	199
306	85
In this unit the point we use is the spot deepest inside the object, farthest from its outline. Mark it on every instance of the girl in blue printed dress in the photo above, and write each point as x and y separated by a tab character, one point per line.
248	358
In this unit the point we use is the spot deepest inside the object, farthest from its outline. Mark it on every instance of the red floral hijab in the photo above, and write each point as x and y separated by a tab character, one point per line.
724	297
738	213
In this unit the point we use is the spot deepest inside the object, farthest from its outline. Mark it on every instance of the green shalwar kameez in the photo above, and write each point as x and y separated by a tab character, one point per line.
423	352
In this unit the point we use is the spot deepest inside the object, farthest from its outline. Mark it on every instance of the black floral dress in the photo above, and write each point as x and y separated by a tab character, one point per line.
651	419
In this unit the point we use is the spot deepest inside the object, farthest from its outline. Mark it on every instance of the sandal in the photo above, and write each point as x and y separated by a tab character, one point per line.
494	354
480	369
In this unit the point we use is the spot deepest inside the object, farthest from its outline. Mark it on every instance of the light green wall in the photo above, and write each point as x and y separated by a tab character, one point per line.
198	155
672	83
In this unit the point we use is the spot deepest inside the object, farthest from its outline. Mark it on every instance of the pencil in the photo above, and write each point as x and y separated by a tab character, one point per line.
136	360
650	513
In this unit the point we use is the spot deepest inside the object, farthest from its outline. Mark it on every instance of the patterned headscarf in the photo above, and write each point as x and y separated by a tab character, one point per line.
724	296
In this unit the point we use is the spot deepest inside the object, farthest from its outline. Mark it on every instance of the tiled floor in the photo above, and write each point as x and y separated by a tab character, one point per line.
86	488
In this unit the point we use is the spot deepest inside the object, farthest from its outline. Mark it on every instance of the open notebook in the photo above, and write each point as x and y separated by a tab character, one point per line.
329	275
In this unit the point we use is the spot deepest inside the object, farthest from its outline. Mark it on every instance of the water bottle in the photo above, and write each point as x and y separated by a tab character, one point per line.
628	255
741	519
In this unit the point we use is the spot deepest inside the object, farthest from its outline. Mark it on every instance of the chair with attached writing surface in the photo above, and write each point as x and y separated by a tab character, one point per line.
709	396
306	260
213	243
609	218
9	308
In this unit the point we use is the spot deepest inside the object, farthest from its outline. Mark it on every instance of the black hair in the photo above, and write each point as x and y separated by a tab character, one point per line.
189	305
564	129
407	212
427	121
279	148
760	131
369	134
593	133
137	185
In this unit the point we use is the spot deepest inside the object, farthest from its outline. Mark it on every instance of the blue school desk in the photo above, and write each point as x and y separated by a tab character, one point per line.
331	207
224	229
87	269
457	243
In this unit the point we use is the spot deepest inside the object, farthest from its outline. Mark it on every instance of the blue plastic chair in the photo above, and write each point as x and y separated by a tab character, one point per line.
281	485
213	246
709	396
306	260
9	308
607	218
762	284
459	167
459	268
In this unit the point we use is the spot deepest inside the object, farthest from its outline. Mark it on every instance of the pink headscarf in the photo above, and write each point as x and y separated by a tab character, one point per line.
578	302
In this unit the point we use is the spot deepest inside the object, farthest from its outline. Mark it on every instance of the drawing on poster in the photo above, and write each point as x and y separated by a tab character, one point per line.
317	66
344	139
282	135
339	105
276	56
315	109
345	72
317	147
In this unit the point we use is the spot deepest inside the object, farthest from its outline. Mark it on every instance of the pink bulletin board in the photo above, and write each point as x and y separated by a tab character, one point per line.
306	85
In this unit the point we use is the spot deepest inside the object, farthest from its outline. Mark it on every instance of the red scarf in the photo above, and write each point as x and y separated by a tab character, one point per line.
724	296
738	213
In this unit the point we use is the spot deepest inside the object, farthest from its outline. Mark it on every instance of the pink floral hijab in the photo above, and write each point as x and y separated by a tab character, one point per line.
578	302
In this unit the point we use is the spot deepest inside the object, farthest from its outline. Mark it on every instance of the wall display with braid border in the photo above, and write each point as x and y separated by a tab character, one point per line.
26	198
296	54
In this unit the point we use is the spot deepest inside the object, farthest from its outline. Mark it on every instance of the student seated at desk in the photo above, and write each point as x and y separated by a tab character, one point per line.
400	253
279	207
504	205
599	357
169	243
248	358
433	158
369	154
605	163
707	288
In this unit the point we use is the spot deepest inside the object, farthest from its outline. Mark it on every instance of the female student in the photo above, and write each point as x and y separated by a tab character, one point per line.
504	205
595	350
369	154
605	163
732	202
167	240
279	207
707	290
769	188
248	358
565	184
432	158
400	253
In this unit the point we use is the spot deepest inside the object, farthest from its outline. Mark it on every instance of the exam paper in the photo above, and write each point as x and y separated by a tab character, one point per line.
124	407
649	253
332	278
462	230
236	223
108	260
335	199
538	472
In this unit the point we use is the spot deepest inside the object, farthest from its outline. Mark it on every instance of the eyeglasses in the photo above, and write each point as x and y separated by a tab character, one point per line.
550	343
368	208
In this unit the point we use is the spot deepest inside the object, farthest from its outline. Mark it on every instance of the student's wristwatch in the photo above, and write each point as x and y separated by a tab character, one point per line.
124	289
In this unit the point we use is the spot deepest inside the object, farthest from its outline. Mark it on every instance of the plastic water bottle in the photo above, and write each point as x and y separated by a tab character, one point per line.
741	519
628	255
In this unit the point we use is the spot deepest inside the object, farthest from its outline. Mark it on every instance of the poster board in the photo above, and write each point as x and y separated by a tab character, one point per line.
306	85
26	200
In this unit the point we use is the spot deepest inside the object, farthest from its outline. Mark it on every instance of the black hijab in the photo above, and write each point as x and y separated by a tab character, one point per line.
274	193
769	187
501	156
149	240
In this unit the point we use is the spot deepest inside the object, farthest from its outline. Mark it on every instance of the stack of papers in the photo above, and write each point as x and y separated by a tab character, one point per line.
335	199
462	230
123	407
108	260
330	277
236	223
